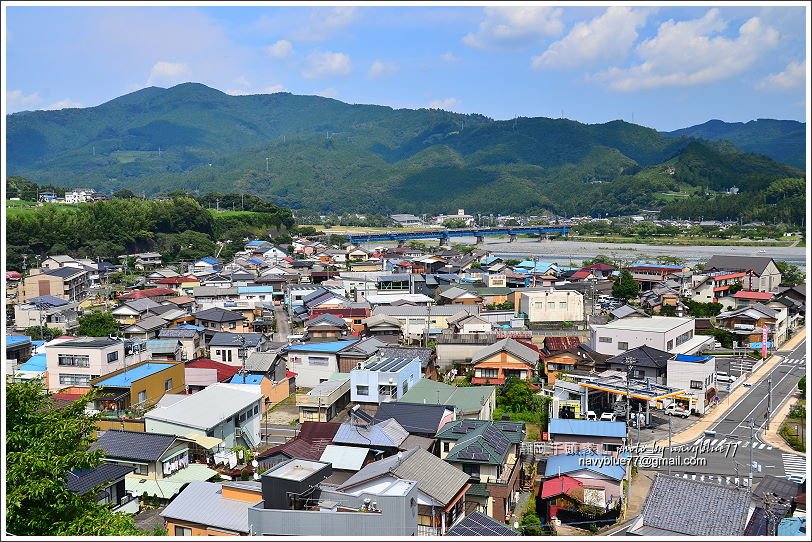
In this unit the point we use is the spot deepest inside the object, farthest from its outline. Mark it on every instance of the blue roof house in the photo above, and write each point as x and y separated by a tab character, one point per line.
570	436
313	363
585	464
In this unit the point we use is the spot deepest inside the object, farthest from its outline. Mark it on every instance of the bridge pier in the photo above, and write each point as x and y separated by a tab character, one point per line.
401	242
543	237
512	238
480	239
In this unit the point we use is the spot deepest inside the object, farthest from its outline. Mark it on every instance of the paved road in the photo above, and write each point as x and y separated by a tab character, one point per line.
735	428
282	324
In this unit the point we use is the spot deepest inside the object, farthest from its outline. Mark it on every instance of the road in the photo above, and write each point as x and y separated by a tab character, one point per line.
282	324
742	425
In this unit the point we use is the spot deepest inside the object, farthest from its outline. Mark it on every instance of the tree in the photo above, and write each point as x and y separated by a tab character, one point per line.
44	444
802	385
124	193
625	287
43	333
735	288
97	324
791	275
454	223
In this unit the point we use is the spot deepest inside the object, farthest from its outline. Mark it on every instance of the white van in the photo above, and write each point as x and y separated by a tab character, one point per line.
724	377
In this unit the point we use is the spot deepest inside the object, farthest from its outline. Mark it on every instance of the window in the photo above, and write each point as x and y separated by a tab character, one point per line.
551	305
168	385
68	360
471	470
670	345
696	384
232	325
489	373
611	447
229	354
446	447
318	360
605	339
74	380
112	356
143	470
142	396
622	345
357	322
405	387
562	305
256	409
182	531
362	390
219	353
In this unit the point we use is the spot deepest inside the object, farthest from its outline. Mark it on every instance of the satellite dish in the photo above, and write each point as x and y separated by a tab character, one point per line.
255	463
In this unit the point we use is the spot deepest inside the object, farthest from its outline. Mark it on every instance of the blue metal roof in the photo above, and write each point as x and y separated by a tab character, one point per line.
331	347
14	340
126	379
792	527
254	261
587	428
191	326
255	289
35	363
660	265
210	260
246	379
584	460
692	359
256	243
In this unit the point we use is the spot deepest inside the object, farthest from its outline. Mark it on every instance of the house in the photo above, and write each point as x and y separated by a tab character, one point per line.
705	509
279	382
46	310
225	347
551	305
355	354
60	260
74	362
66	283
697	376
206	265
427	357
746	298
478	524
324	401
80	195
217	319
382	379
107	480
156	294
747	324
181	284
310	443
578	479
762	273
383	327
649	363
313	363
471	402
424	420
387	435
672	334
579	359
161	463
235	421
129	312
132	390
413	319
603	437
146	328
488	452
296	502
649	274
709	287
203	372
325	327
441	488
459	296
212	509
189	337
345	460
506	358
406	220
469	323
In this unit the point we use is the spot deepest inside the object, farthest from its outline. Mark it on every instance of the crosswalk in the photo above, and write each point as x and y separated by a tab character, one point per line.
714	478
740	443
794	465
794	361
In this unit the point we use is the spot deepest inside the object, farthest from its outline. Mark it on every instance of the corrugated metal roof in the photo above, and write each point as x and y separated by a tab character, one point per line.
203	502
127	378
587	428
344	457
196	410
599	463
247	378
389	434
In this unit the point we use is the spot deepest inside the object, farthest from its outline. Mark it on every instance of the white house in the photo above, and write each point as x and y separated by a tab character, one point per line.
382	379
80	195
550	305
313	363
671	334
697	376
75	362
229	412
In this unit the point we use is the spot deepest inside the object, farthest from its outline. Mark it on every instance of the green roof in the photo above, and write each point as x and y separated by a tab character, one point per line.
339	376
478	490
477	442
467	399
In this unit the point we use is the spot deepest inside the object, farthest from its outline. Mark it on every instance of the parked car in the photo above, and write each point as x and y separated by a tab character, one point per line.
724	377
675	410
608	417
590	415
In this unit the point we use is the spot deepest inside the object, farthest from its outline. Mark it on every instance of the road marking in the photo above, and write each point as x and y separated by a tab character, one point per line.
761	446
714	442
794	465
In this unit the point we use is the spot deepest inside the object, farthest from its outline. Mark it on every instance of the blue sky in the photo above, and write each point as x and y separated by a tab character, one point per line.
665	67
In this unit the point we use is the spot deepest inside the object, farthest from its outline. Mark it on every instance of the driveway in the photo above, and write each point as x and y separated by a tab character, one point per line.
149	520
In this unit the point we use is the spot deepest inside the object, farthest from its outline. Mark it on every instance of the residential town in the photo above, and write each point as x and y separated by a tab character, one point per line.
350	390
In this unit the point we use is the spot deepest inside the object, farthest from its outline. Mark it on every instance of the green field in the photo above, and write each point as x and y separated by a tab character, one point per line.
128	157
17	208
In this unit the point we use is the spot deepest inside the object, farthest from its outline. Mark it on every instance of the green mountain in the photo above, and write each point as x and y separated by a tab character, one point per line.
319	154
781	140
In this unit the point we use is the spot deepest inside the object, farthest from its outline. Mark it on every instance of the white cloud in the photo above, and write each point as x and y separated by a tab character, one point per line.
449	57
272	89
242	81
513	27
323	64
607	37
281	49
327	92
379	68
314	24
794	75
168	73
64	104
692	52
16	100
445	103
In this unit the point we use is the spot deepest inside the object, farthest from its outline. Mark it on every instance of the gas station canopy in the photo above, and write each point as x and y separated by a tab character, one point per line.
638	389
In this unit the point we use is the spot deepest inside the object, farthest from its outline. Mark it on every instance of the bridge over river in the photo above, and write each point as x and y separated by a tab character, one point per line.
443	235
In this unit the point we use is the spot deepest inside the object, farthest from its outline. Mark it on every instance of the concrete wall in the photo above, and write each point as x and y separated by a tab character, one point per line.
310	375
372	379
568	305
97	363
681	373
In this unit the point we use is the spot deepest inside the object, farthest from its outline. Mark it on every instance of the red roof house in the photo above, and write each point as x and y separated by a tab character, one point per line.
149	293
224	372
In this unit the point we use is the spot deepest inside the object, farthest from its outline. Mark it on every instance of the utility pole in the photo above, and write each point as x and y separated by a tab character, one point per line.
752	437
669	445
769	401
630	361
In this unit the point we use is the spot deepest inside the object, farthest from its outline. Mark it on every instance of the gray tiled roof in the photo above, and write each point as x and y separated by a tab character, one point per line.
217	314
83	481
135	445
694	508
260	361
415	418
177	333
223	338
203	502
735	263
511	346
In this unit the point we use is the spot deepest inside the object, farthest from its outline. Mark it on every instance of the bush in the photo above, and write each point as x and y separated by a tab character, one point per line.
245	474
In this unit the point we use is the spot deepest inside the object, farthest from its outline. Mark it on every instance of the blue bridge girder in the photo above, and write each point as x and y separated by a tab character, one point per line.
448	233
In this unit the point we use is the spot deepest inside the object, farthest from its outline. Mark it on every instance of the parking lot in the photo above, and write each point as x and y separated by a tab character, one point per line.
658	428
734	366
